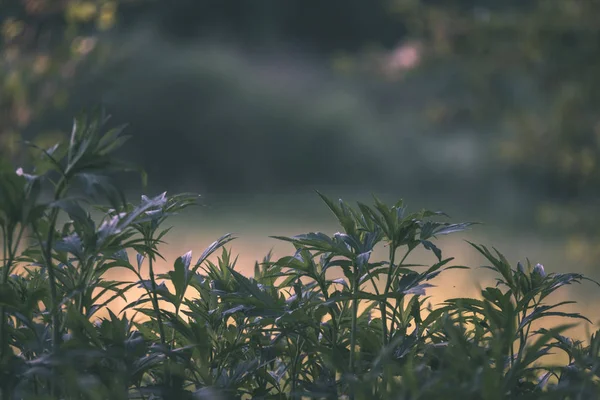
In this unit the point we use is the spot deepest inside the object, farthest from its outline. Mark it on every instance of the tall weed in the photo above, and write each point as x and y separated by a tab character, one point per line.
203	330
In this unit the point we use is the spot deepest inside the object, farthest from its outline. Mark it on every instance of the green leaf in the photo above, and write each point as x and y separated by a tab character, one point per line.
181	274
430	246
214	246
343	214
112	140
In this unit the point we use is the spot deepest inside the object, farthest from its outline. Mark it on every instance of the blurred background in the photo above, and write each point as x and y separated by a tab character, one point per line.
486	109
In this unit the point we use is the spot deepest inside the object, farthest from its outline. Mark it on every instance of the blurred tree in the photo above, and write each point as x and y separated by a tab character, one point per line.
314	25
531	65
528	66
43	45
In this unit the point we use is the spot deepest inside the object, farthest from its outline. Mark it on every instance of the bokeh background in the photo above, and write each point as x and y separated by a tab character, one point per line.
485	109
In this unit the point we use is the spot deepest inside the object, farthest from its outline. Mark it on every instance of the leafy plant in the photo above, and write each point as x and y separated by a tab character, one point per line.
328	321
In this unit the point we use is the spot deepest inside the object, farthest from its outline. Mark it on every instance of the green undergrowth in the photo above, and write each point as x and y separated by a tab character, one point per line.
202	330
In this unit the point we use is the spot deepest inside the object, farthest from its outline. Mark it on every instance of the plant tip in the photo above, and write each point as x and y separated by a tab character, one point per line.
539	269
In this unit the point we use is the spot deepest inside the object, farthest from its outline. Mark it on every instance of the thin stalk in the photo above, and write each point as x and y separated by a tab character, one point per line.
47	254
4	244
174	331
154	297
177	307
180	300
334	320
372	279
383	304
525	335
161	329
83	282
295	369
354	323
10	251
7	261
395	311
512	346
521	338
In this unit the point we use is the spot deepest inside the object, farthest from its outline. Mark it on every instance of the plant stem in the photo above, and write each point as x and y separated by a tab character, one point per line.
47	253
355	287
295	368
8	258
47	256
394	276
525	335
7	261
383	303
161	329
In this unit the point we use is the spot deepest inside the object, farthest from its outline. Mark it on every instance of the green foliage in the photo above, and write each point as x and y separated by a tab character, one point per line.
527	66
203	330
44	45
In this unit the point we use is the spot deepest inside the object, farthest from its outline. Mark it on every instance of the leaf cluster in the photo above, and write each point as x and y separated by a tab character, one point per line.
328	321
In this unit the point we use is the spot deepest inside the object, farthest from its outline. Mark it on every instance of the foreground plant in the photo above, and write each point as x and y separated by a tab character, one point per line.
327	322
